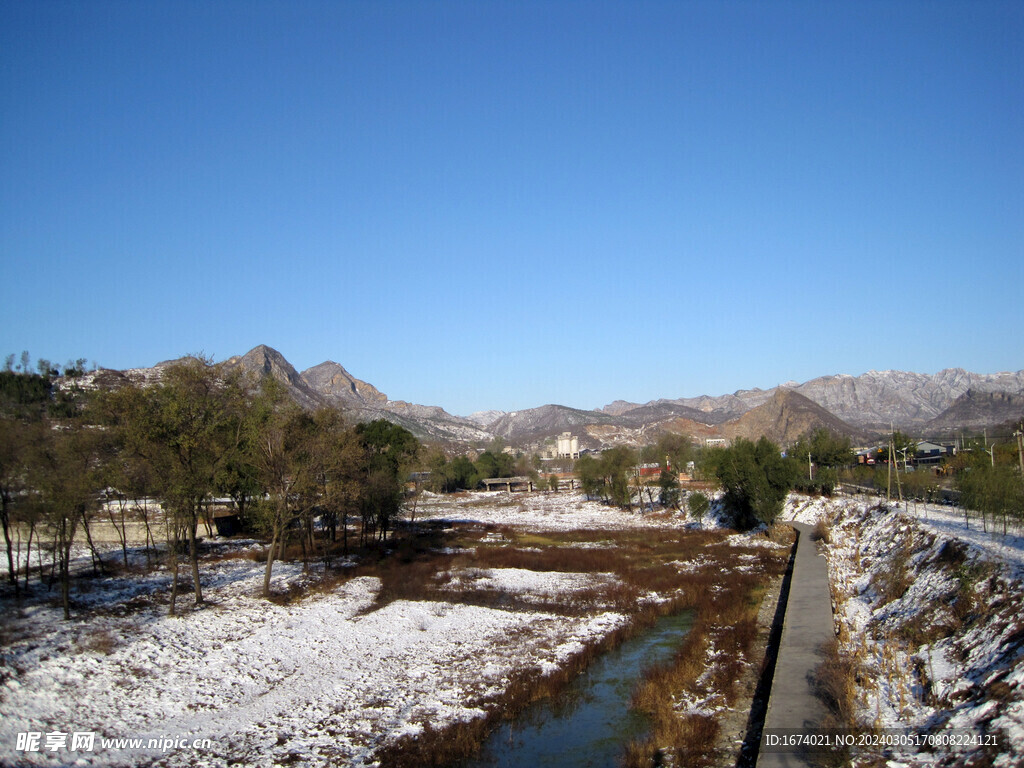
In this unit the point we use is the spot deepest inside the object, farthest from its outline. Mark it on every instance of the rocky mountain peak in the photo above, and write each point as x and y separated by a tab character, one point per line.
266	360
263	361
331	380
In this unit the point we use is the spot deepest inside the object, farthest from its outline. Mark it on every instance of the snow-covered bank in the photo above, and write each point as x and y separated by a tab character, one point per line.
928	611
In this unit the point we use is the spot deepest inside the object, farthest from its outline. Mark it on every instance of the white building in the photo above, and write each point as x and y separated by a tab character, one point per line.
567	447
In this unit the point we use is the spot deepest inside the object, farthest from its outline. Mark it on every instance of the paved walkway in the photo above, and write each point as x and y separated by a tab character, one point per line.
808	623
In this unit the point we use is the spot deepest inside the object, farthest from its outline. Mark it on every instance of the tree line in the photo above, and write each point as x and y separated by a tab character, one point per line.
69	457
460	473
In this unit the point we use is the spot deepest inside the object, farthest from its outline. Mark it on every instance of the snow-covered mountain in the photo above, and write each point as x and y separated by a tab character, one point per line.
854	405
870	401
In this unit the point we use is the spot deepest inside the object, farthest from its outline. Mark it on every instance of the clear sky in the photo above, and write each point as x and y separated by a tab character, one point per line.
504	204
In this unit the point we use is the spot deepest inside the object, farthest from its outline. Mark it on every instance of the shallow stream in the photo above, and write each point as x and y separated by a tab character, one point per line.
590	723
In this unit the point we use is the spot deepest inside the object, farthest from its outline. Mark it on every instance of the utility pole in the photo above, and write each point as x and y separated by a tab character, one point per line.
892	458
1019	434
810	474
888	484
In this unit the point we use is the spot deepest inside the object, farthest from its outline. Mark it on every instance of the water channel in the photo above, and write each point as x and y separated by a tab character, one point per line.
590	723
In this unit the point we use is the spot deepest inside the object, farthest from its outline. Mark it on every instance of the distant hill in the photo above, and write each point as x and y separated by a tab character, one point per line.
977	410
545	421
851	405
785	418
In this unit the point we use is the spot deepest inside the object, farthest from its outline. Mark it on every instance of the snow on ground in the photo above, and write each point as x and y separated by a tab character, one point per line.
539	584
929	611
326	678
989	541
322	680
563	511
330	678
992	543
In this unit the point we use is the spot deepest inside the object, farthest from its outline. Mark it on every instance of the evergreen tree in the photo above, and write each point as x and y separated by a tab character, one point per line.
756	479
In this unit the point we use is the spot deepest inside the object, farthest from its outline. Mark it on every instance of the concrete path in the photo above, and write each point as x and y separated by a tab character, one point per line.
808	623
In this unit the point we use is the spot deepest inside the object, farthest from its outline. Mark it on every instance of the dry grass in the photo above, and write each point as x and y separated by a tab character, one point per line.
892	582
821	532
835	683
725	623
692	739
100	641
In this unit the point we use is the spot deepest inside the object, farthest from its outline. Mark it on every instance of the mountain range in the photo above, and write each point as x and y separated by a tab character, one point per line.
859	406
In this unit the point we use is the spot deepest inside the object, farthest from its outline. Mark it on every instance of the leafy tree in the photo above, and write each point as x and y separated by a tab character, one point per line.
919	484
75	368
129	416
522	466
16	439
464	475
278	435
904	447
699	505
677	449
34	452
390	452
46	369
669	485
455	475
996	492
616	466
588	471
339	458
536	462
192	427
756	479
825	448
447	475
22	402
24	395
491	464
827	452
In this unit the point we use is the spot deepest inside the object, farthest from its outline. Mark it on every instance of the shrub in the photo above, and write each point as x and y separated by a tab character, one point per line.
100	641
821	532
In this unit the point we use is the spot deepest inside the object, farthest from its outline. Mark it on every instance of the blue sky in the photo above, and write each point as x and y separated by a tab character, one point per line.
505	204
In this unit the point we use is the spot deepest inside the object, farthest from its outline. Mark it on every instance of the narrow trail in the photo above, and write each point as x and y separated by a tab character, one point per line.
793	707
